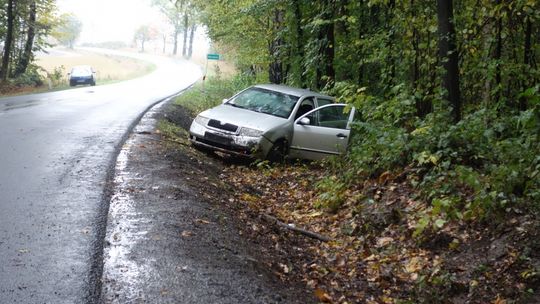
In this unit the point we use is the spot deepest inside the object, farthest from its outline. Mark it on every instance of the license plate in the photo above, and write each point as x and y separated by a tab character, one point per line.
217	138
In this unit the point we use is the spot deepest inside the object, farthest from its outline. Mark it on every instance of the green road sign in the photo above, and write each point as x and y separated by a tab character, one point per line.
212	56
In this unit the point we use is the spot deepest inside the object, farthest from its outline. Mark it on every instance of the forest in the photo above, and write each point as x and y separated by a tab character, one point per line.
447	87
444	163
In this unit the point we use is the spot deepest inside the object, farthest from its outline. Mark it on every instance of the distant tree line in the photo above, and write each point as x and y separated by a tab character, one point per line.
183	18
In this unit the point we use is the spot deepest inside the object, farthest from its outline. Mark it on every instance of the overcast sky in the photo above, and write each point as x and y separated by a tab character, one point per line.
111	20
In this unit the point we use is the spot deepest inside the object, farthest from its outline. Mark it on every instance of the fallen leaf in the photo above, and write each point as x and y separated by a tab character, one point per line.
413	265
322	296
201	221
499	300
186	233
381	242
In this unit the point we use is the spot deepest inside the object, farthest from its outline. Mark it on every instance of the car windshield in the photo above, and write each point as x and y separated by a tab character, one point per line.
265	101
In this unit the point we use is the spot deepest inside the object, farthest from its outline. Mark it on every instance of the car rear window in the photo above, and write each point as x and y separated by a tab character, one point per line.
265	101
81	71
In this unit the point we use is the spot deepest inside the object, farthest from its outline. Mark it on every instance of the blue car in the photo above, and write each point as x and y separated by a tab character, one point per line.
82	74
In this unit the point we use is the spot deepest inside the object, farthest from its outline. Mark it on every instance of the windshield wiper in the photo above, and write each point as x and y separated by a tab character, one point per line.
234	105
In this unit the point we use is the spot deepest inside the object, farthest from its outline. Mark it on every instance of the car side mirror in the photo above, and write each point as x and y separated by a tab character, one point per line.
304	121
224	100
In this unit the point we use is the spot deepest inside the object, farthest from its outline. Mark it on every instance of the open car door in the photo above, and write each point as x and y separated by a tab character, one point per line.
321	132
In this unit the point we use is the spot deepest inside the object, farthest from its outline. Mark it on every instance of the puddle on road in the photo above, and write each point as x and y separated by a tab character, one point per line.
123	233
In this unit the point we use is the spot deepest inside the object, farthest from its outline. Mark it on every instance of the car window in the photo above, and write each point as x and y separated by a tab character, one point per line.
322	102
307	105
81	71
329	117
265	101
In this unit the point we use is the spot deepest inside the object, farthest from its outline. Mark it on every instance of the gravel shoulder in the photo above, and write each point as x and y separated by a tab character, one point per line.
171	237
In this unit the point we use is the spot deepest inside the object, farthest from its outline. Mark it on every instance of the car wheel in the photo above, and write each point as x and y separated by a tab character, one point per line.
278	152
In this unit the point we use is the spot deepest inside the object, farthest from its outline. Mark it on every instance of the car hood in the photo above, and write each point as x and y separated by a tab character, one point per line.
244	118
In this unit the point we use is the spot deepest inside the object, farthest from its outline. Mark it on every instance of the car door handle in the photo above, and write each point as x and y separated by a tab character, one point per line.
341	135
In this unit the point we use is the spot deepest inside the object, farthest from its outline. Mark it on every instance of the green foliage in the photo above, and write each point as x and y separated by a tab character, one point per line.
31	78
211	92
331	193
484	165
32	21
57	76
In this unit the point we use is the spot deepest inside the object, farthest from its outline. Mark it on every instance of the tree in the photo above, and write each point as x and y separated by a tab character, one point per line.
68	30
8	43
27	55
449	55
24	29
181	15
144	34
172	11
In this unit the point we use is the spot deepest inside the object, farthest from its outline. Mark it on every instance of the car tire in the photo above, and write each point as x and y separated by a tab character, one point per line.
278	152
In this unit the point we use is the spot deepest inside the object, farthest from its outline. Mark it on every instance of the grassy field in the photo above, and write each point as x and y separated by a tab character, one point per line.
109	68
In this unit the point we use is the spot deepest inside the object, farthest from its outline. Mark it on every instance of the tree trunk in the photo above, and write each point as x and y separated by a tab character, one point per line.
449	56
164	42
176	33
26	55
299	41
186	29
391	43
497	57
527	60
191	38
330	54
275	71
10	15
327	73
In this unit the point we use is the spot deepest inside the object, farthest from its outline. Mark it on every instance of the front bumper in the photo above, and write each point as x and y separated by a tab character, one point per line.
230	143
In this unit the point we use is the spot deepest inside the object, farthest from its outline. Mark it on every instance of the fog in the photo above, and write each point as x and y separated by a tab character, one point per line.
111	20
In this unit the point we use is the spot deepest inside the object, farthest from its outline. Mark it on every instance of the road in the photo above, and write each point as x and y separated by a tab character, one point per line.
57	151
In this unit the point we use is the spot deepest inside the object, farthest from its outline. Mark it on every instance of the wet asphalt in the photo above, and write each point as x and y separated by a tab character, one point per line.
166	242
57	154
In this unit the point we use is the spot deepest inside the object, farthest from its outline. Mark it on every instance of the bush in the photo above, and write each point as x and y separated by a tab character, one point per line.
31	78
484	164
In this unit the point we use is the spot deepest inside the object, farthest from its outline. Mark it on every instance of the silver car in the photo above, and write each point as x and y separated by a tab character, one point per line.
273	122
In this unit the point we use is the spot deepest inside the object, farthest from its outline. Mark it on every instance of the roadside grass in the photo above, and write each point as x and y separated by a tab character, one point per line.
211	92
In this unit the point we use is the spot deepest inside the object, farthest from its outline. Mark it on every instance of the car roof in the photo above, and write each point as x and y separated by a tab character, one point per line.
290	90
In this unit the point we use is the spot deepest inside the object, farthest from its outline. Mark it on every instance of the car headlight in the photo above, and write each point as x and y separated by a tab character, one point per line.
250	132
201	120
